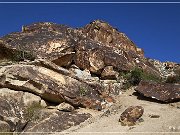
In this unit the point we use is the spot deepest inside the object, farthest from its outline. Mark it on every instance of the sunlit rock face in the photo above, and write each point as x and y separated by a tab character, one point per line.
49	72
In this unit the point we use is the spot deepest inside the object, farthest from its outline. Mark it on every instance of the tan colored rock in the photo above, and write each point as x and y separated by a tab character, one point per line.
96	61
64	60
14	107
101	31
111	87
62	107
93	47
29	99
94	57
16	116
65	107
4	127
49	85
43	103
40	40
109	73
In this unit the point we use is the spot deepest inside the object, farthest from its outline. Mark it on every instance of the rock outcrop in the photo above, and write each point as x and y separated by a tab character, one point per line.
102	32
48	71
166	69
49	85
63	46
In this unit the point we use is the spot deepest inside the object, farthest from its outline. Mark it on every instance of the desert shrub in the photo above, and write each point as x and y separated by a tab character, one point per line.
23	55
134	77
31	111
83	91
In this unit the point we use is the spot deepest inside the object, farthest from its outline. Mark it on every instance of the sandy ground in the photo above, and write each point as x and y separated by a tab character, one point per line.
107	123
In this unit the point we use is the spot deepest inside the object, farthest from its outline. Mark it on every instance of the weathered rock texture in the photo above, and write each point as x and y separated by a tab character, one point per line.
41	40
89	47
55	121
131	115
48	71
165	92
49	85
102	32
166	69
22	111
14	107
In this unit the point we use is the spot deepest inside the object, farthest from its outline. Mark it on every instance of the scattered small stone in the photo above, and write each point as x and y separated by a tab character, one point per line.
153	116
65	107
176	105
43	103
62	107
106	113
140	120
172	128
131	128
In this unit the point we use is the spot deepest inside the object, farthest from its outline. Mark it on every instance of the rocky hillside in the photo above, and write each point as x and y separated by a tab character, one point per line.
48	72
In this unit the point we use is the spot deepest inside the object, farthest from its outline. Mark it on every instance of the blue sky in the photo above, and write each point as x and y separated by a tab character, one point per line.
153	27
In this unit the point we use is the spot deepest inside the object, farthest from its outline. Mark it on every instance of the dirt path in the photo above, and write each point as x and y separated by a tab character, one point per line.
107	123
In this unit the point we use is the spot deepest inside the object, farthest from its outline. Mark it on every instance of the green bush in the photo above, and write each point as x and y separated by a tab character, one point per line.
83	91
136	75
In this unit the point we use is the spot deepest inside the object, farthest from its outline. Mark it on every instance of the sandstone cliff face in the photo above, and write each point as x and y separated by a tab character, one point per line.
47	66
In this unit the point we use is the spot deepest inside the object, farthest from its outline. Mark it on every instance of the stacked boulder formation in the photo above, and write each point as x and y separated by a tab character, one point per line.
48	64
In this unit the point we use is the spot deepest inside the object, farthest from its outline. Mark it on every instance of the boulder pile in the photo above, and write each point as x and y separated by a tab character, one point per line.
48	71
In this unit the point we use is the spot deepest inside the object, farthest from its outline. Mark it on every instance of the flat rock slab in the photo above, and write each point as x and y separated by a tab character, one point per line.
165	92
55	121
49	85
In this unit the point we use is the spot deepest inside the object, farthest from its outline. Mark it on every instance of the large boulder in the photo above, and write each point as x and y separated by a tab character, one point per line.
95	57
14	107
54	121
22	112
106	46
49	85
109	73
4	127
40	40
165	92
